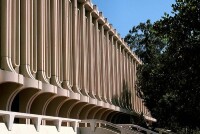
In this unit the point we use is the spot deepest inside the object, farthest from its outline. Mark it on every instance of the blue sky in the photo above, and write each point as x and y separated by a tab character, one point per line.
124	14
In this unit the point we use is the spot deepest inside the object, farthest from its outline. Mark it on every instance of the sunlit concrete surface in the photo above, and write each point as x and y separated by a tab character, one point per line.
62	58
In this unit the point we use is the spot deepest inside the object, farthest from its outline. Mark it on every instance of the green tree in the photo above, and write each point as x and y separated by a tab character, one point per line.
169	79
143	40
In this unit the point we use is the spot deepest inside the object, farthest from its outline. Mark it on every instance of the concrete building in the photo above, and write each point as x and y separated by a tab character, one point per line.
62	58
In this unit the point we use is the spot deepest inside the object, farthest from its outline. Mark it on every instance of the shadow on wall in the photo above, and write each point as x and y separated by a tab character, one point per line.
124	99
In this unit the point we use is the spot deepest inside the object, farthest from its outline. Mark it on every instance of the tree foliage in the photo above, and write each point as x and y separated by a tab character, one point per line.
169	78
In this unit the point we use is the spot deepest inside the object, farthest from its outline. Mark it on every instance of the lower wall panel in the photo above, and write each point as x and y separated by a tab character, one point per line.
30	129
87	130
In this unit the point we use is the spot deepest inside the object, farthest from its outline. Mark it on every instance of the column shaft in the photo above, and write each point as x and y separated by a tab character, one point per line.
75	48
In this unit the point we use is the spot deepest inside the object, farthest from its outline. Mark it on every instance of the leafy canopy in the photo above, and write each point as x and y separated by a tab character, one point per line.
169	78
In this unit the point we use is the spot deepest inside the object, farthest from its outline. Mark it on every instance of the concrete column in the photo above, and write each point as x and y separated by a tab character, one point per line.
33	47
6	34
108	67
127	75
55	43
101	91
120	73
75	48
132	83
114	66
136	97
15	35
26	35
117	78
86	59
91	55
98	53
84	48
66	45
42	38
124	65
123	71
79	43
48	40
60	44
103	65
70	44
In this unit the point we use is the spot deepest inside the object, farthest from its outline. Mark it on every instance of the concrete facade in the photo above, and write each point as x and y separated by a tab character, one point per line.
62	58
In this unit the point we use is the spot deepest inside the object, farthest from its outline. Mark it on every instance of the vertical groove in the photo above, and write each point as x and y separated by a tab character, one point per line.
25	38
65	42
75	48
6	35
15	41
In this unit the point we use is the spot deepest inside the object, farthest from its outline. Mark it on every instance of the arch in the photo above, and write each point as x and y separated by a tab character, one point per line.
7	90
109	115
39	103
84	112
121	118
53	106
75	110
99	113
63	110
92	112
105	115
24	97
115	117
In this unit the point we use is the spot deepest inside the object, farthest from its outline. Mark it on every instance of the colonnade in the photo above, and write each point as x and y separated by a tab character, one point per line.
69	45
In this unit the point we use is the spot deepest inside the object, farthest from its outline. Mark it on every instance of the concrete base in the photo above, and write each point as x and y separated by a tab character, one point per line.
30	129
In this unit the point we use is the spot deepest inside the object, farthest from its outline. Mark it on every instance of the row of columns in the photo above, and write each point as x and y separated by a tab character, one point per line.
70	45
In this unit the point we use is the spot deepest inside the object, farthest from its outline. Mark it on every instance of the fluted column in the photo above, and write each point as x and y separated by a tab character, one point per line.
27	36
66	45
70	44
102	54
108	67
42	41
10	34
132	83
6	34
136	97
33	47
55	43
114	70
129	79
120	73
15	39
60	44
75	48
103	65
90	54
84	50
118	80
79	51
97	70
123	72
111	90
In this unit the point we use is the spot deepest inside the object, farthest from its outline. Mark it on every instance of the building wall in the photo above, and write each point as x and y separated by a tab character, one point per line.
63	58
24	129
